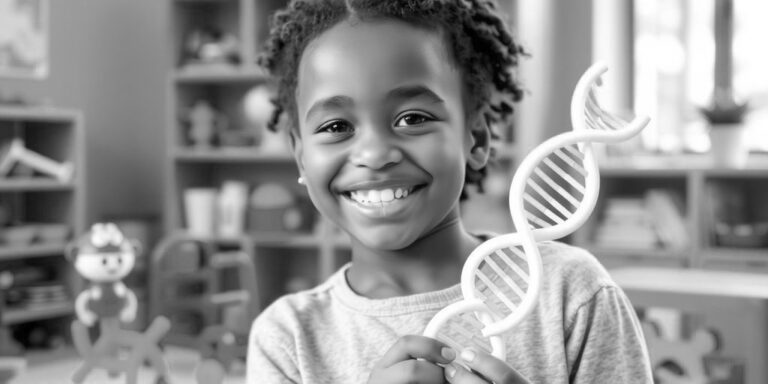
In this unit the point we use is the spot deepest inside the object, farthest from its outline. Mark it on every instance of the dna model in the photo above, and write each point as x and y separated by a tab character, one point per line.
552	193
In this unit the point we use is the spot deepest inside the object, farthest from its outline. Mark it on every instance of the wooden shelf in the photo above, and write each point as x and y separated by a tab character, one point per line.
745	255
656	253
679	165
233	74
29	251
12	316
291	240
37	114
32	184
201	1
226	155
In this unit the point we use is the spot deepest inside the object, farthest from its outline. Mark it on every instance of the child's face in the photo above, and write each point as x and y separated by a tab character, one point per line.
383	142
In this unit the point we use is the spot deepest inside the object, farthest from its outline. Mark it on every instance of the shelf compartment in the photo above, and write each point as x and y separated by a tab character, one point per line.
38	312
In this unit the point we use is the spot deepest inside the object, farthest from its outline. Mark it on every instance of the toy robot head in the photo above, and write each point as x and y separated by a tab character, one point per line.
103	254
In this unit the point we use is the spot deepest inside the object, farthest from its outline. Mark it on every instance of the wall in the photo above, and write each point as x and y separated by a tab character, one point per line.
558	36
108	60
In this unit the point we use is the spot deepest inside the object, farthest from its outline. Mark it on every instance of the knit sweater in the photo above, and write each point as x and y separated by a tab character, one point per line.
583	329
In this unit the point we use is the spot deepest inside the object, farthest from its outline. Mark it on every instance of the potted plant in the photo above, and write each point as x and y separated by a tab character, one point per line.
724	114
726	132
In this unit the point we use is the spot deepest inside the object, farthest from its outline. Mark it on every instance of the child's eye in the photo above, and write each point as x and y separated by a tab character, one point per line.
335	127
412	118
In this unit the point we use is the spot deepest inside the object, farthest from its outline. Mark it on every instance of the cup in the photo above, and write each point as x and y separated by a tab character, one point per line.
200	208
232	202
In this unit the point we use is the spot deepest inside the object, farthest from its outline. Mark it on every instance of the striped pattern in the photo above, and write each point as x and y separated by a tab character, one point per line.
502	280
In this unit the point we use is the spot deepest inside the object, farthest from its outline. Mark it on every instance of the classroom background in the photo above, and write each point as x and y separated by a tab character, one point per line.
150	114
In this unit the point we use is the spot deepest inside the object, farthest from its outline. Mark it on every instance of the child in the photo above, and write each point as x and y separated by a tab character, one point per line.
389	105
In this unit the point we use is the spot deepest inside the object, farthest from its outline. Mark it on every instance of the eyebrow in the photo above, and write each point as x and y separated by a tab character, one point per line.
333	102
406	92
413	92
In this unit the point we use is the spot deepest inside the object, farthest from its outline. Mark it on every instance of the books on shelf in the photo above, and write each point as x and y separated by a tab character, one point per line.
653	220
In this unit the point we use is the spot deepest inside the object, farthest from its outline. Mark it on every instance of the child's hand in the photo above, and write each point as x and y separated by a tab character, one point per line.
485	369
413	359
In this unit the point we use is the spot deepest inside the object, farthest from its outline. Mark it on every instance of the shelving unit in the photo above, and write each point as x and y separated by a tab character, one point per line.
225	84
708	194
32	200
282	257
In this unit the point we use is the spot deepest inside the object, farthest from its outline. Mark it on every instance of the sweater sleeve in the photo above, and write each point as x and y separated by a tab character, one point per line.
269	361
605	343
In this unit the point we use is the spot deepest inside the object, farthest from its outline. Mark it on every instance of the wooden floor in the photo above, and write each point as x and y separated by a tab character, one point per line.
56	367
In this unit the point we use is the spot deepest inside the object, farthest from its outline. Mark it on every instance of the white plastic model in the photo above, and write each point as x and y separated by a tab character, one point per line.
552	193
15	152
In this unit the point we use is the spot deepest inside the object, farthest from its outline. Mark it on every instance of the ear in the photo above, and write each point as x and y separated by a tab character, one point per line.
296	147
479	143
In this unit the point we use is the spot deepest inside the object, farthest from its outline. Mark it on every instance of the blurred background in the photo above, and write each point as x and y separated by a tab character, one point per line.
151	114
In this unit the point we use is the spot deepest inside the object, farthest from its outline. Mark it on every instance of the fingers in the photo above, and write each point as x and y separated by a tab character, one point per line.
484	369
456	374
415	371
417	347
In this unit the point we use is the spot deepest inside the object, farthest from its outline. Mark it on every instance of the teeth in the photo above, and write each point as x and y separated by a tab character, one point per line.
379	196
387	195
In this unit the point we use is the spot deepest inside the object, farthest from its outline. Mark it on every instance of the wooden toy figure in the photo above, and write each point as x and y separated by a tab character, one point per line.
104	257
204	122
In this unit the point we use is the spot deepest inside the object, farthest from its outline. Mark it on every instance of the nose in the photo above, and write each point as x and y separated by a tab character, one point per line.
375	149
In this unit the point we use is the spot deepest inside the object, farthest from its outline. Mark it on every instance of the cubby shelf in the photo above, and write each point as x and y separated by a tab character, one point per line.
34	199
700	185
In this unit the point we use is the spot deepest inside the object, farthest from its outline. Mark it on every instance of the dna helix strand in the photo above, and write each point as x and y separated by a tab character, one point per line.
553	192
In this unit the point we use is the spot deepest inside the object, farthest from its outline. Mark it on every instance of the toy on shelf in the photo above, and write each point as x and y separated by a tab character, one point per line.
103	256
210	47
232	199
258	109
274	208
204	121
224	295
15	153
686	361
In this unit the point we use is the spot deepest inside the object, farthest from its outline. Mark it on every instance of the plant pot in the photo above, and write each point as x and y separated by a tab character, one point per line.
729	149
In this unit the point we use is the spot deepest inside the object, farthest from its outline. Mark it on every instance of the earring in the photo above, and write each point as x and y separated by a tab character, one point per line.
300	180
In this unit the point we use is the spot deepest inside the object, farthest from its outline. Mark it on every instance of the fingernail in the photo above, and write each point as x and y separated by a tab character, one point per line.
468	355
450	371
448	353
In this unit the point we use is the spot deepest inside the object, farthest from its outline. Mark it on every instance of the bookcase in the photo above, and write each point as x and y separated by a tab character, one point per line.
713	218
211	84
38	214
291	244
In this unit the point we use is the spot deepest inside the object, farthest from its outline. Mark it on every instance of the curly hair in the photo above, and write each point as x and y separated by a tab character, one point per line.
482	48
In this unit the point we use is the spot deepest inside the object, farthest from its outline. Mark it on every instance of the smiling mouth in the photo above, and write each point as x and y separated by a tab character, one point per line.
381	197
